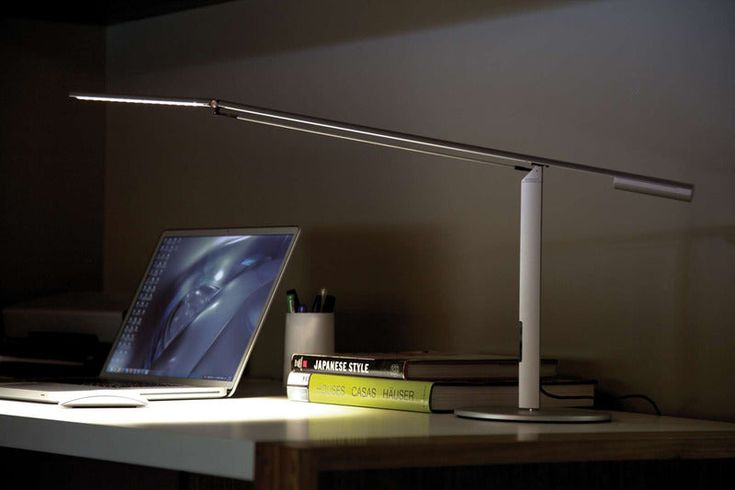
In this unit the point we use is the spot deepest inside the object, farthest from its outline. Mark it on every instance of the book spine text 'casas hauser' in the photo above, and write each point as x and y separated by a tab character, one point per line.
360	391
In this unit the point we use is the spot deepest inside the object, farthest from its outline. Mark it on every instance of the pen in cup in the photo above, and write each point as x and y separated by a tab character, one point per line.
316	307
328	305
323	302
292	301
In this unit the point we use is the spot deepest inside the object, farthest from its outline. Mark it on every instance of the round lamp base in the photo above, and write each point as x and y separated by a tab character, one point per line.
547	415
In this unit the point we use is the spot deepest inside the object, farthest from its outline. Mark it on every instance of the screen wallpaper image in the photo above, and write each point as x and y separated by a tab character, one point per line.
200	303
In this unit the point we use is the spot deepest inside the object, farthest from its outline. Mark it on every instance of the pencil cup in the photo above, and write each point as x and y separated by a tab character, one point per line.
309	333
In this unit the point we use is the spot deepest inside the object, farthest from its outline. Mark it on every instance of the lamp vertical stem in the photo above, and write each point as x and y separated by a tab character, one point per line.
529	367
530	289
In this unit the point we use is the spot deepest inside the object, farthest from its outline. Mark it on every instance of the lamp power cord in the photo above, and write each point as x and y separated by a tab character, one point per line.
616	398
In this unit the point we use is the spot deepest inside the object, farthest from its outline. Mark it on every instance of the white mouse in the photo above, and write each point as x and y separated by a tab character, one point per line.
106	399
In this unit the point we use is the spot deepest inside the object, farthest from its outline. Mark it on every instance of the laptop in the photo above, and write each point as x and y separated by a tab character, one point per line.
193	321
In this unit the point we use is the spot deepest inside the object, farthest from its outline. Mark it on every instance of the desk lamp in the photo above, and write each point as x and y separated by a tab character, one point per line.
529	383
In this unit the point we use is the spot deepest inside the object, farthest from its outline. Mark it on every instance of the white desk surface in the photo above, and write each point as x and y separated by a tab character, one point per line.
218	437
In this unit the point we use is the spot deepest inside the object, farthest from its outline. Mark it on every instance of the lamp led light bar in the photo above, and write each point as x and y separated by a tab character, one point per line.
142	100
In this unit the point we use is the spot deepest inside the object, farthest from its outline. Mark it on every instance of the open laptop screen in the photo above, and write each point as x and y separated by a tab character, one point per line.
199	306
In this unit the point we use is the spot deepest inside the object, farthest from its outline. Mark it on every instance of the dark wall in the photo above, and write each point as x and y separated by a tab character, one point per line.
51	160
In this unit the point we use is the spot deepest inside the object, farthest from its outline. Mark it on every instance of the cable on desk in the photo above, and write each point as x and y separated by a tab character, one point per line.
643	397
619	398
565	397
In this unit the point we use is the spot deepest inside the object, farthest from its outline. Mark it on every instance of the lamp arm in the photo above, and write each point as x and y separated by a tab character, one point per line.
324	127
403	141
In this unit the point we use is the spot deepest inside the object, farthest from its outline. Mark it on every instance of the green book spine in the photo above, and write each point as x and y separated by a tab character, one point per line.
370	392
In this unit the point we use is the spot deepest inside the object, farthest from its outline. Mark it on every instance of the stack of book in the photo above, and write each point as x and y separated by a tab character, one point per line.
425	382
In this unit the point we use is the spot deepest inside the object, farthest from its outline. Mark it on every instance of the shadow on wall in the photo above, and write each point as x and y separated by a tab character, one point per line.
242	33
659	303
389	281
